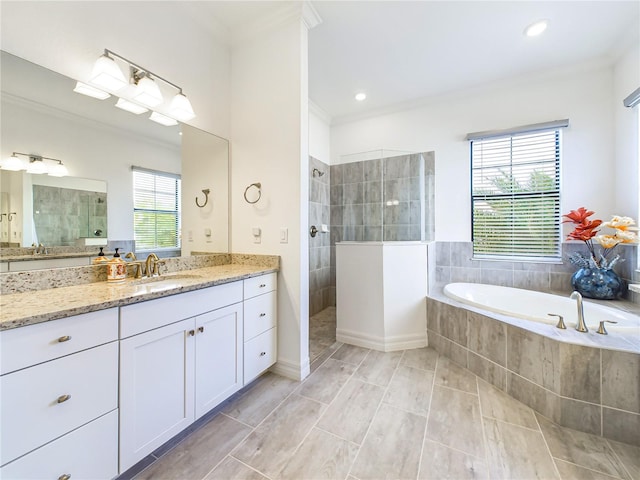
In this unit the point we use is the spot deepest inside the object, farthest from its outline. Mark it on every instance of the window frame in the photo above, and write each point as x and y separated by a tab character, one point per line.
509	135
177	211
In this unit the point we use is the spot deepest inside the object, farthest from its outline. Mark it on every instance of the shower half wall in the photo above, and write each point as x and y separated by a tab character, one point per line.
381	196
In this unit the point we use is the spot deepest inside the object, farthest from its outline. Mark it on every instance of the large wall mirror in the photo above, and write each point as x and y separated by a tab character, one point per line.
98	143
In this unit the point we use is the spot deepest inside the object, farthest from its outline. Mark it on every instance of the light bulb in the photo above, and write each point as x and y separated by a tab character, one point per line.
14	164
90	91
107	74
181	108
163	119
147	92
37	166
58	170
536	28
130	106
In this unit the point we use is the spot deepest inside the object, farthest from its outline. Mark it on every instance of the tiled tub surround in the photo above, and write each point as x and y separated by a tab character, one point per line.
22	304
454	263
584	381
321	295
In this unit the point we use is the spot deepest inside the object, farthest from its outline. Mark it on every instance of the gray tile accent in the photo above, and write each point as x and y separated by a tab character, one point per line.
621	426
621	380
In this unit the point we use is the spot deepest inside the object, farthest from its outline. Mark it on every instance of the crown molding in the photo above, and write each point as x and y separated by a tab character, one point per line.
592	65
291	11
319	112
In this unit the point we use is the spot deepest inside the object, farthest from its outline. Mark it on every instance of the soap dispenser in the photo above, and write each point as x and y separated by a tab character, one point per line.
100	259
116	269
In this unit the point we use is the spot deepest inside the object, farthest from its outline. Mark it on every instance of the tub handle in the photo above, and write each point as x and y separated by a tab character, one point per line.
560	320
601	330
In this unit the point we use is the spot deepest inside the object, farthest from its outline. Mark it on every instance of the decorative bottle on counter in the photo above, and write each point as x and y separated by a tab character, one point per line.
100	259
116	269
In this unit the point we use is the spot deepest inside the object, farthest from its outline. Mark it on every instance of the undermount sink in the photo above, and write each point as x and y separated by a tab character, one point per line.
160	283
167	278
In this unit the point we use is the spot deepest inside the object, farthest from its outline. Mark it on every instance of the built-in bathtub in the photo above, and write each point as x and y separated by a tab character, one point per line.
536	306
585	381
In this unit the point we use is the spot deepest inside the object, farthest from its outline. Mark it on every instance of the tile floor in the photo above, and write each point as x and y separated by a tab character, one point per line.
364	414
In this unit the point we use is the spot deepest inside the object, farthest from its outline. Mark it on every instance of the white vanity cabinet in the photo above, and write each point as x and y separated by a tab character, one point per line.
181	357
260	320
59	398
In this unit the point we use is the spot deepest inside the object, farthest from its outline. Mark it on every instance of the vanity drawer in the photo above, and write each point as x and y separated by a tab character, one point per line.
26	346
145	316
33	408
259	354
259	285
259	315
90	452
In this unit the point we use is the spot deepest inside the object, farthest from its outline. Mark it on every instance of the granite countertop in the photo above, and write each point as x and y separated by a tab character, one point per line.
46	256
27	308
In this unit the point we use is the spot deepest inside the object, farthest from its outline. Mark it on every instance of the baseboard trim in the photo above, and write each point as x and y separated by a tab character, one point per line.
292	370
386	344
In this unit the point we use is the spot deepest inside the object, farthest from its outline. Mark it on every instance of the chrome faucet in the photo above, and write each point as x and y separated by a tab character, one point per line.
580	326
150	264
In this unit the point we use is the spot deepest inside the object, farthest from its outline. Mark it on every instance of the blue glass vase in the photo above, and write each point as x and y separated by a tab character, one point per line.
599	283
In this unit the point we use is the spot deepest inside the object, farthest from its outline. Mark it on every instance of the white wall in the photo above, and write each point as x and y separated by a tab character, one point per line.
583	94
89	150
205	165
626	78
67	37
269	128
319	134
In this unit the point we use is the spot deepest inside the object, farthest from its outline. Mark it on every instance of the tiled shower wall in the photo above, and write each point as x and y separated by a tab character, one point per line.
454	264
321	295
386	199
82	213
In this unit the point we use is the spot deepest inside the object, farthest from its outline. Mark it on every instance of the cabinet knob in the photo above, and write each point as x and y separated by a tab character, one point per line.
262	314
262	354
191	333
63	398
64	338
64	476
262	285
201	329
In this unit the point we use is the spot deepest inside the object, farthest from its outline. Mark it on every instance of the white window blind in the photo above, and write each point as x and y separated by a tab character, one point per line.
516	196
156	209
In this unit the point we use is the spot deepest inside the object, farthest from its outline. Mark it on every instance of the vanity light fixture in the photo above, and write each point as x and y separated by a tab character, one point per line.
146	89
90	91
107	74
536	28
36	165
130	106
181	107
13	163
163	119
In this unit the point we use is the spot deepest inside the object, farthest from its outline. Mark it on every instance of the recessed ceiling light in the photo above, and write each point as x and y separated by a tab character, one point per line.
361	96
536	28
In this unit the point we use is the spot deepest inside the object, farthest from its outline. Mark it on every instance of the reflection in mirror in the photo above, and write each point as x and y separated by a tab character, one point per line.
42	115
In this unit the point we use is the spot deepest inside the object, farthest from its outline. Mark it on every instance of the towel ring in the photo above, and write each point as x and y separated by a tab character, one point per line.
258	185
206	192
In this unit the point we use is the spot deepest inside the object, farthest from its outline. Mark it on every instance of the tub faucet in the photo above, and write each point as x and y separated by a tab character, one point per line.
581	327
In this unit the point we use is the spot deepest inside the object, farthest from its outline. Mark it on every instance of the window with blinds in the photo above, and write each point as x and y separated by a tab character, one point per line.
515	191
156	209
